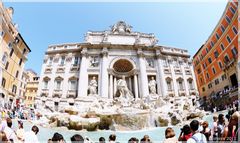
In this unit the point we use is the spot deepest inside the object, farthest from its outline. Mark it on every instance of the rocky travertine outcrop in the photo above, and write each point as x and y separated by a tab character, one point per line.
96	113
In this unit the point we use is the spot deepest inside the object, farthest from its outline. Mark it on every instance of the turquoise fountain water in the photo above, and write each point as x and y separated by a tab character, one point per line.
156	134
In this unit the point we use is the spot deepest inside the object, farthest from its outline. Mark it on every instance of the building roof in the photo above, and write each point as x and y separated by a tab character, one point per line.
24	42
219	22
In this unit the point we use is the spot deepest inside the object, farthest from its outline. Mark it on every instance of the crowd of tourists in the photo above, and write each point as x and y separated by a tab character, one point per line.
223	128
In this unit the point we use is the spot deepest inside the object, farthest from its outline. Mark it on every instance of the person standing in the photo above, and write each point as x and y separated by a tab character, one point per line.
206	131
31	136
20	132
197	137
170	136
185	133
11	136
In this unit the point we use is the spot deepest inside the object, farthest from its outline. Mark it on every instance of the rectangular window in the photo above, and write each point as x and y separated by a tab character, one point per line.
222	28
207	76
204	65
58	84
1	34
216	54
212	44
234	51
20	62
75	61
6	66
180	84
24	51
232	10
222	46
73	84
220	65
199	71
217	36
226	59
11	52
62	60
14	89
16	40
50	60
207	50
209	60
203	89
45	85
209	85
224	77
3	82
17	74
10	45
229	39
214	71
216	82
228	19
169	85
235	30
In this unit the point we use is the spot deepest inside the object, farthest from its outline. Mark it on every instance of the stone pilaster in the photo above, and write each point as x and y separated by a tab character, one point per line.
175	85
111	87
83	75
161	82
185	80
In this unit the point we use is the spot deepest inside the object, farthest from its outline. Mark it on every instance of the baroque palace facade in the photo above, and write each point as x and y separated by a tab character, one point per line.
215	63
72	72
13	55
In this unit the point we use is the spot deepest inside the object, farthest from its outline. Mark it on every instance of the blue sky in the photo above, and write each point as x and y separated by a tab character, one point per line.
183	25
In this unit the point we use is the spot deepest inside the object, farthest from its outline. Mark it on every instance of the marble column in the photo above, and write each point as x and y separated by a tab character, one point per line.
143	75
114	86
104	73
83	75
111	87
135	86
161	84
130	83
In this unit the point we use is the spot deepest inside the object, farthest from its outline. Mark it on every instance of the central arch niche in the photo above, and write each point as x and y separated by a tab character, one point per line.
122	66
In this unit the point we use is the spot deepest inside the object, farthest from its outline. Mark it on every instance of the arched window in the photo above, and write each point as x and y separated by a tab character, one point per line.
72	83
169	84
58	83
190	84
45	82
180	84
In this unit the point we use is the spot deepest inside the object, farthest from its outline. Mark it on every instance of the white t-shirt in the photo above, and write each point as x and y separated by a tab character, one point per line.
10	134
30	137
197	138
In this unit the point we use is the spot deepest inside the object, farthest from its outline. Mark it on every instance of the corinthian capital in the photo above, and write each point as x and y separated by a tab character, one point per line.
84	52
104	51
140	53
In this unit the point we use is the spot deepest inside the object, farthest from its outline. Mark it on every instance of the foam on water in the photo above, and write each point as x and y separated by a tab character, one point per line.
156	134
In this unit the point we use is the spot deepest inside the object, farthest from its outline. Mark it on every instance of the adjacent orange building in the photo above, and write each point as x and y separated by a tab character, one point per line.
215	63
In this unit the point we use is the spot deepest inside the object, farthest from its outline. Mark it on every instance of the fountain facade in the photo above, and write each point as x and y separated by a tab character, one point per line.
117	76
